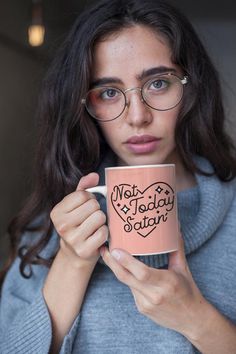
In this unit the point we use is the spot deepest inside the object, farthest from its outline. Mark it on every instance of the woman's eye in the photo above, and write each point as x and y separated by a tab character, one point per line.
109	94
158	84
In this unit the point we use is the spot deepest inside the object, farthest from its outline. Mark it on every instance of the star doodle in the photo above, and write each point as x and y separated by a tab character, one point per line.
167	192
159	189
125	209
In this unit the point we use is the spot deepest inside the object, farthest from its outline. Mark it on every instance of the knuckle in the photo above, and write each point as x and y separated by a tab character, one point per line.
122	276
144	307
83	196
79	252
173	284
157	299
66	242
104	229
53	214
62	228
144	274
82	253
101	217
94	205
102	233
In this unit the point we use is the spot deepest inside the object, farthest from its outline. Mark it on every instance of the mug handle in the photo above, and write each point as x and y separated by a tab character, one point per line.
98	189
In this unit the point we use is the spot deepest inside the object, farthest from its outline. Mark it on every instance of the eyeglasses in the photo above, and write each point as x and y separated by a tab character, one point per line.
162	93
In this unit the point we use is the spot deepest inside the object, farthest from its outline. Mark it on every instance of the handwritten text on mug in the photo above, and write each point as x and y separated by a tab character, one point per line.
143	210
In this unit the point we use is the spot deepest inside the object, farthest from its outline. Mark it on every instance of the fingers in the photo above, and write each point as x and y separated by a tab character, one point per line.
94	242
91	180
134	273
145	282
80	196
141	300
120	272
73	201
138	269
72	210
79	215
86	243
177	259
79	205
78	219
89	226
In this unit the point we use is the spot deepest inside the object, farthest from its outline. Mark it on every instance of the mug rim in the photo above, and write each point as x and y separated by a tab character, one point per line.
139	166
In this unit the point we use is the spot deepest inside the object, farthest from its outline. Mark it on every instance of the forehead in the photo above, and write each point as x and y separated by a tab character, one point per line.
130	51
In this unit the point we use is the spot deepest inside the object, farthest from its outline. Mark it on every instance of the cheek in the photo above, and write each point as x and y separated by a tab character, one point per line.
166	125
110	133
170	121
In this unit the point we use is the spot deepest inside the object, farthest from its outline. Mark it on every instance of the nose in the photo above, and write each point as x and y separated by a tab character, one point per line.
137	112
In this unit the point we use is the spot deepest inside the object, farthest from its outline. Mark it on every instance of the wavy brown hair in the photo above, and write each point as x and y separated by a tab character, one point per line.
70	144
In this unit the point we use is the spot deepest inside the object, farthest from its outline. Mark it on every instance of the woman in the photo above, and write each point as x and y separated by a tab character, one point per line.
59	295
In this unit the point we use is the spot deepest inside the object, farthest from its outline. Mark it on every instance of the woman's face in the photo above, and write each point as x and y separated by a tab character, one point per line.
141	135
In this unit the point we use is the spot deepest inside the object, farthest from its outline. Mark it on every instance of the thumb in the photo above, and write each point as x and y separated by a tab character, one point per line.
88	181
177	259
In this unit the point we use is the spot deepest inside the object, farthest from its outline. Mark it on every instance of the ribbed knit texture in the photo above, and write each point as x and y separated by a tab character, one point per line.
27	326
109	322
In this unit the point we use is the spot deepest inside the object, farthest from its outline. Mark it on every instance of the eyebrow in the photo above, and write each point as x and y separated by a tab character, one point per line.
144	74
155	71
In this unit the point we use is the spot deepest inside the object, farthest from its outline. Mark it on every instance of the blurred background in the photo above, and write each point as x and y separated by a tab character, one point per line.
24	60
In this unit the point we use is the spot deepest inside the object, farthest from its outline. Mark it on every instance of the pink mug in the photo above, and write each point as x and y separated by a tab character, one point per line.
142	208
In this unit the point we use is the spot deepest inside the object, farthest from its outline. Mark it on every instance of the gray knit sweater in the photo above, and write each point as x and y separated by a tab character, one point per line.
109	322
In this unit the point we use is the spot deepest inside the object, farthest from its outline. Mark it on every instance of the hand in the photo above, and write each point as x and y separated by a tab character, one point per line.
80	223
168	297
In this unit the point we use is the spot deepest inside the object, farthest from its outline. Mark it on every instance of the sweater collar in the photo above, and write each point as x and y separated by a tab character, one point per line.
214	199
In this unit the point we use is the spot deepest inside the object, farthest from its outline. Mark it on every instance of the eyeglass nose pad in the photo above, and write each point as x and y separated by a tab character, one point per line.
128	102
134	89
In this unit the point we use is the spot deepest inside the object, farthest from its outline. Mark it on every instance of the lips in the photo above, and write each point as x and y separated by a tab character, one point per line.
141	139
142	144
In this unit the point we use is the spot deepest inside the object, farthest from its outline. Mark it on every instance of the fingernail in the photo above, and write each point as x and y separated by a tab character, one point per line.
116	254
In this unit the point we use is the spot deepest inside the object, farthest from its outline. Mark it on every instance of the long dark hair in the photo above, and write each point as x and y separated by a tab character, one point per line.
70	144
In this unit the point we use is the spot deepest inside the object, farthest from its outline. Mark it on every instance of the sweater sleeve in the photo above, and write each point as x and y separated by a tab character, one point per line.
25	324
68	342
24	319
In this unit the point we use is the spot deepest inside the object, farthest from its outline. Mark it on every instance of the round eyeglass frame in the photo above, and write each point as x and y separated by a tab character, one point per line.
183	81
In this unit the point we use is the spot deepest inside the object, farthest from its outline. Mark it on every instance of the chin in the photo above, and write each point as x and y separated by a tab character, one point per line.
144	160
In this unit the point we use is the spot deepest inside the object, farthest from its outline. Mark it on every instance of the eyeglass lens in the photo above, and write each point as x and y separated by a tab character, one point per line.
160	93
